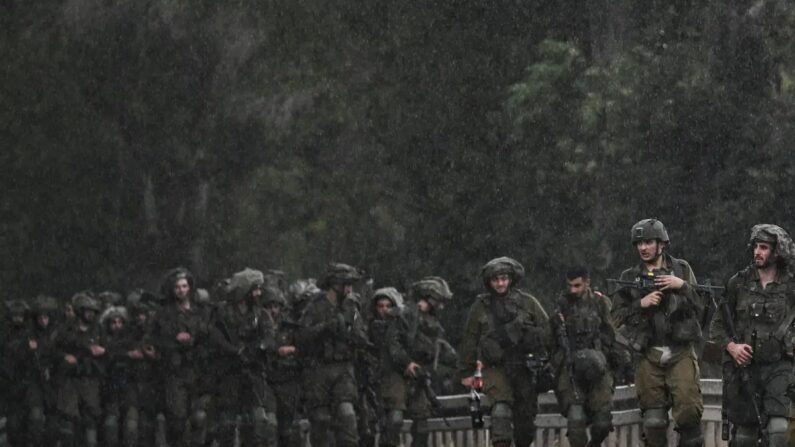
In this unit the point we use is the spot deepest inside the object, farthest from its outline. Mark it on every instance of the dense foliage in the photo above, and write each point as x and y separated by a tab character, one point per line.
410	138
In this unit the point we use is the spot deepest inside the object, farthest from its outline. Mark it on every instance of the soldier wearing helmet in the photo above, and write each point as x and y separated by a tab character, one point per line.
761	300
179	333
584	343
506	327
662	324
15	352
242	333
284	368
299	294
40	365
332	330
81	373
413	346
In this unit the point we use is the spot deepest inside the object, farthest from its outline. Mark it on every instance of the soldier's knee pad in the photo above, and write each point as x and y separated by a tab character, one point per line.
745	436
691	437
110	428
577	423
345	410
320	418
777	431
601	426
264	424
501	422
91	437
655	426
199	419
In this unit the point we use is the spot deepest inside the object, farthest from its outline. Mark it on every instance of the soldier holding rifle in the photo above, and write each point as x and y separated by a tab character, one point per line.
754	329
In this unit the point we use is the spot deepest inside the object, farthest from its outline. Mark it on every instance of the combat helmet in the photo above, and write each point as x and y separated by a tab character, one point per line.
243	282
783	246
17	308
649	229
390	293
44	304
114	312
273	295
432	287
171	278
338	273
501	265
84	300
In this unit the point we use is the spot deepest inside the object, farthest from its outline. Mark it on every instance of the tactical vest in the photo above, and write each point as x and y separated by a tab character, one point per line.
583	322
763	318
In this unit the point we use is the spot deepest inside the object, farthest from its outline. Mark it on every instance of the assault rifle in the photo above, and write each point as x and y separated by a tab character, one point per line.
745	378
645	282
424	383
563	342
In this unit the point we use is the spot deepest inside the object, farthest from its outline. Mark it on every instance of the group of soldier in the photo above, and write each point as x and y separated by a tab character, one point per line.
258	356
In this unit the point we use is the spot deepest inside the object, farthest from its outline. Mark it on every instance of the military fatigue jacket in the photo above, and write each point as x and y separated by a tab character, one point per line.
502	329
762	316
675	321
170	321
331	332
243	338
588	323
413	336
77	342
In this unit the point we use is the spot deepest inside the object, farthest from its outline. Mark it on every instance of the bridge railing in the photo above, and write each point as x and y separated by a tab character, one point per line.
551	426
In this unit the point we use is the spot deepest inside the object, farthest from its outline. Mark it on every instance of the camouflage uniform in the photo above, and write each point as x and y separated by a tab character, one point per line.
762	318
667	375
501	331
590	337
243	332
39	398
78	401
413	336
284	372
181	363
331	332
16	356
144	380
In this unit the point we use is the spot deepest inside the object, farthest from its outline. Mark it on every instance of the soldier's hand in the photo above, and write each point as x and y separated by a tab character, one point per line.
286	350
651	299
741	353
468	381
183	337
33	345
135	354
411	369
669	282
70	359
97	350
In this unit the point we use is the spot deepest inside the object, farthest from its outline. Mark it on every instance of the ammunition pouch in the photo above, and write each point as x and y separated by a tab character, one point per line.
769	350
685	329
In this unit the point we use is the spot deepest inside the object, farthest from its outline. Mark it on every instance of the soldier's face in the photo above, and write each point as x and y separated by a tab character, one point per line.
274	309
89	315
763	251
382	307
43	320
181	288
648	249
116	324
500	283
578	286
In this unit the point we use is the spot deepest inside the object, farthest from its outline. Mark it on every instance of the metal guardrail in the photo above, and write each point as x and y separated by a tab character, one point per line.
551	425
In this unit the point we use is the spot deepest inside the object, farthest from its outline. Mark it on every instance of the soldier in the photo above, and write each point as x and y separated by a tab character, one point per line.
144	380
300	292
761	303
42	423
505	328
81	373
662	325
180	334
16	353
242	332
331	332
583	345
119	393
284	368
413	347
